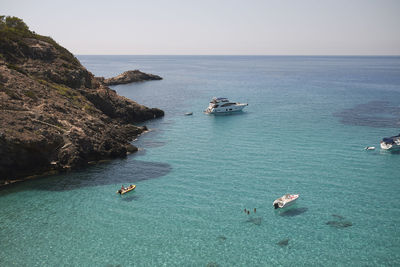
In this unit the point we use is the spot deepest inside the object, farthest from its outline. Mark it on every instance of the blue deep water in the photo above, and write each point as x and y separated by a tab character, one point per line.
304	131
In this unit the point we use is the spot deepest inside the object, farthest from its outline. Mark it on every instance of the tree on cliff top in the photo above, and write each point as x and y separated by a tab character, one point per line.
13	22
13	30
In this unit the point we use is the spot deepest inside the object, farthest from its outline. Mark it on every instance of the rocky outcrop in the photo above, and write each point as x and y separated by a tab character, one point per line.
54	114
130	76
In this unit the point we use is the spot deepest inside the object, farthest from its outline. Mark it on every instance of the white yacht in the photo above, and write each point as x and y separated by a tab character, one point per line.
391	143
285	201
223	105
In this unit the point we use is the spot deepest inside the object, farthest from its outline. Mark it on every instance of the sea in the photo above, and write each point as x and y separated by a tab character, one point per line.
206	184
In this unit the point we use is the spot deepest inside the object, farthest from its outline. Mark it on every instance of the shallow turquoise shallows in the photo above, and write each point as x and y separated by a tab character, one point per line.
304	131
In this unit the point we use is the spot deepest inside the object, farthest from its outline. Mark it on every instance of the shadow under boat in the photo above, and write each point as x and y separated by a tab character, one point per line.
291	211
129	198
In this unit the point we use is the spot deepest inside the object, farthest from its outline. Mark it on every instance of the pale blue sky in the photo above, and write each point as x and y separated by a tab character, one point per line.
206	27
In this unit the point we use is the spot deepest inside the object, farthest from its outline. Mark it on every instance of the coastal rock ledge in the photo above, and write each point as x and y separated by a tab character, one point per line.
54	114
130	76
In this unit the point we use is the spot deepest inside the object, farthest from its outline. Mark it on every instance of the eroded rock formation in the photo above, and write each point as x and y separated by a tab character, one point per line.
129	77
54	114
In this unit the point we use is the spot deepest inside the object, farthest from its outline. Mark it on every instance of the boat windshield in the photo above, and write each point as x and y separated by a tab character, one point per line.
228	104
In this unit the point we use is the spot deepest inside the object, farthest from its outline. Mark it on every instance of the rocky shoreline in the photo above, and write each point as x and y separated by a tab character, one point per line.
130	76
55	115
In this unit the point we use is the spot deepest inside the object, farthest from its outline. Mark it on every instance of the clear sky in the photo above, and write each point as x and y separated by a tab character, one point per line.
216	27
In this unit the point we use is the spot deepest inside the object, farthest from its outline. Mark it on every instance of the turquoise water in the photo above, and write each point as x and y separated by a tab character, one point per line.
304	131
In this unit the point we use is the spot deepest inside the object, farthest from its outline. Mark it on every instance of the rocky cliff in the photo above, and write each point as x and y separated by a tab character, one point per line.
54	114
130	76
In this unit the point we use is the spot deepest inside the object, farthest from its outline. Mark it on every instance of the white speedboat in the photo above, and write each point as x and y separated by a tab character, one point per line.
391	143
223	105
285	201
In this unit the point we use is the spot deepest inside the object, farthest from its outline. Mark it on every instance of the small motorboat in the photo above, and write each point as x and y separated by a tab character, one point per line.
391	143
285	201
188	113
126	189
369	148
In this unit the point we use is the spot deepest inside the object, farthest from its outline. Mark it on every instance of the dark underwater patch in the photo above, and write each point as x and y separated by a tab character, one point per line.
283	243
212	264
373	114
104	174
339	224
256	221
221	238
338	216
293	212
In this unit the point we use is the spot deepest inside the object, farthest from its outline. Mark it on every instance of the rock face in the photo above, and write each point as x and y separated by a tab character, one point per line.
54	114
130	76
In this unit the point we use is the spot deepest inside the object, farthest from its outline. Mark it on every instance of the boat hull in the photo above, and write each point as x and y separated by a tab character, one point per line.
225	110
126	190
391	143
285	201
288	204
390	147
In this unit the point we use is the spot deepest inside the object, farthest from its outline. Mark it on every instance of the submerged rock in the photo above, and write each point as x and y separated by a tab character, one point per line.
283	242
256	221
221	238
129	77
339	224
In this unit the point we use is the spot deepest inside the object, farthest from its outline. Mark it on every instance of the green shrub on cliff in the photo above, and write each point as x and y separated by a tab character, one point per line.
14	23
31	94
14	67
13	31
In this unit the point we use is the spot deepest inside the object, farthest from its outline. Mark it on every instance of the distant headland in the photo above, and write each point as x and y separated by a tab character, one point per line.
130	76
55	115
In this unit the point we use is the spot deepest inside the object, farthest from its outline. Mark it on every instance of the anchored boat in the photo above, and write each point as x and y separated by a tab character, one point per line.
126	189
391	143
223	105
285	201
